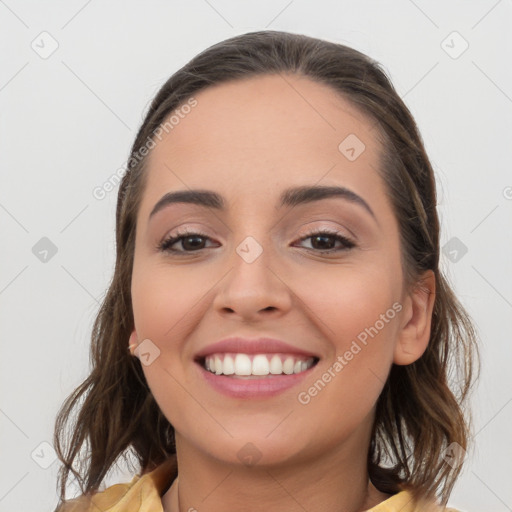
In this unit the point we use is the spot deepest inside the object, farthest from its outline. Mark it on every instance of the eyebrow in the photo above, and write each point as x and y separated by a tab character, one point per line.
289	198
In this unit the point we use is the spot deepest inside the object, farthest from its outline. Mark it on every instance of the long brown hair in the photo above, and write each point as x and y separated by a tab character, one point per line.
419	412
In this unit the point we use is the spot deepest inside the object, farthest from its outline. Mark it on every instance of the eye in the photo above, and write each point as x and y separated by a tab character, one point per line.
190	242
321	239
194	242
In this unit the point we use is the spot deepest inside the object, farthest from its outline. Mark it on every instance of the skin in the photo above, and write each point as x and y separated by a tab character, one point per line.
249	140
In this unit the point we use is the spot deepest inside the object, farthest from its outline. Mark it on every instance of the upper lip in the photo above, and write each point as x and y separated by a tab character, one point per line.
241	345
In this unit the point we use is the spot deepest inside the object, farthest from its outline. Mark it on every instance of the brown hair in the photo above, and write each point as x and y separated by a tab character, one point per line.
419	412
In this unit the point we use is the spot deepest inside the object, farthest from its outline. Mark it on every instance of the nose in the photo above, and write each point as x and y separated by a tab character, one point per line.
252	288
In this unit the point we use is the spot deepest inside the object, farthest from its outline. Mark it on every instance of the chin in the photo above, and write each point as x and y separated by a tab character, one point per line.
255	449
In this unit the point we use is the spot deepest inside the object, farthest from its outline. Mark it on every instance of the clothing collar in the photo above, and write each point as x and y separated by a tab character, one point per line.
144	494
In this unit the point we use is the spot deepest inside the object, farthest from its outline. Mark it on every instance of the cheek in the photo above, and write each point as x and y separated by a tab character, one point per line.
163	299
167	305
358	313
348	300
159	308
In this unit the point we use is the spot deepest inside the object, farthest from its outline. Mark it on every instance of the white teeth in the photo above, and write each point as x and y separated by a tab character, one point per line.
218	365
242	364
258	364
228	367
276	365
288	365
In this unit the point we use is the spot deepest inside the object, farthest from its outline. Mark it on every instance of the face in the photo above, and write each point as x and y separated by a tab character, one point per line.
263	266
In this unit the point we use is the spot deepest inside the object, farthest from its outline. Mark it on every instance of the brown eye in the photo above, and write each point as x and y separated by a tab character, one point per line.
190	242
325	241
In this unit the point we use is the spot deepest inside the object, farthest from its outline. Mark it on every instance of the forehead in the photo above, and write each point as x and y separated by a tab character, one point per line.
256	109
264	132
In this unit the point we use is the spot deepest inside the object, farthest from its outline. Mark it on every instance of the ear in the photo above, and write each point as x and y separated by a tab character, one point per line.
132	342
414	333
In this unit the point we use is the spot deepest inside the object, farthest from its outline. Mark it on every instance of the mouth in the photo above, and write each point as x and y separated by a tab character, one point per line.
240	375
242	367
247	366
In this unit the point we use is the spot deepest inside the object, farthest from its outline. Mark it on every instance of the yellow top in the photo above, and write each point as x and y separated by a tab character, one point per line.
144	494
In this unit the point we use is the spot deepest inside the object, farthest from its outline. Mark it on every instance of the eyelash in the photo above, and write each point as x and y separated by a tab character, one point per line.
166	244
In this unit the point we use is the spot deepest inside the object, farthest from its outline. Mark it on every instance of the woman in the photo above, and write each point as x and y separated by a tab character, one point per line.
277	286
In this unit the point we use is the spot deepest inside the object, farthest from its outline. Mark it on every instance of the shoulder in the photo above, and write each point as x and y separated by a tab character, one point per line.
142	492
108	499
117	497
402	502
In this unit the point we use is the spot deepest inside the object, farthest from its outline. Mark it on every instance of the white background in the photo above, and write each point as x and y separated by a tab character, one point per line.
67	125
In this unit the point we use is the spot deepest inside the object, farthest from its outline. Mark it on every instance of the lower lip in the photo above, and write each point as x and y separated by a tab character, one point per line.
267	386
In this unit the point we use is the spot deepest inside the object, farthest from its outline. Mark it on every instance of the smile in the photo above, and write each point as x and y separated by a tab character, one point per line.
257	365
245	376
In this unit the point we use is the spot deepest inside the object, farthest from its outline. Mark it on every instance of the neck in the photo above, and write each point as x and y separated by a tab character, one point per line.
333	482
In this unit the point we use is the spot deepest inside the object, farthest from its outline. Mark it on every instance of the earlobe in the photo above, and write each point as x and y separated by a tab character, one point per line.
414	335
132	342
